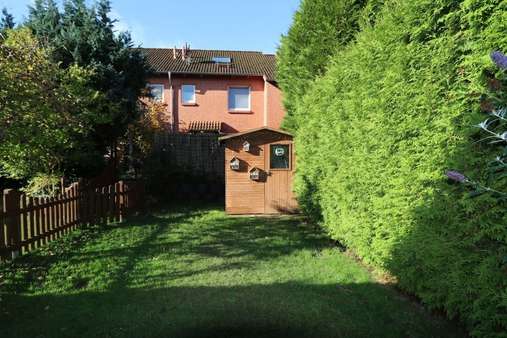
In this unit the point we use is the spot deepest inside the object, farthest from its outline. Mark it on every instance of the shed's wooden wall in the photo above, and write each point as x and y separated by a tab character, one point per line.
242	195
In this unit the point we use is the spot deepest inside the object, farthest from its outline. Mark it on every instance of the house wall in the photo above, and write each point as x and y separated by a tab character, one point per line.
212	102
275	109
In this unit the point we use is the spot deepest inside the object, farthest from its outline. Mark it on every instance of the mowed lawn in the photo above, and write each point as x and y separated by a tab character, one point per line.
196	272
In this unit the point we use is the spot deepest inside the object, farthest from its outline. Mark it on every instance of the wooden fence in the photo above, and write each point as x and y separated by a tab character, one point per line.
27	223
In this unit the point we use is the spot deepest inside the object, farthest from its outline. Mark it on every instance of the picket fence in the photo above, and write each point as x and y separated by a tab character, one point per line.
27	223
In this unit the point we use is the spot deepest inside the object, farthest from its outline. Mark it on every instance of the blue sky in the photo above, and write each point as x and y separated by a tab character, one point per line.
218	24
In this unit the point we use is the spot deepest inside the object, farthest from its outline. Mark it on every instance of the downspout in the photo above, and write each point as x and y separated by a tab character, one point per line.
171	101
265	100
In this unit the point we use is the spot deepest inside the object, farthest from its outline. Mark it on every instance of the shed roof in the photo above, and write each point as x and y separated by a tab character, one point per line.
200	61
251	131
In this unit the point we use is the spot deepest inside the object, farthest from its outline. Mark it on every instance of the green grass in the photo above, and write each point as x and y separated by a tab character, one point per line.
196	272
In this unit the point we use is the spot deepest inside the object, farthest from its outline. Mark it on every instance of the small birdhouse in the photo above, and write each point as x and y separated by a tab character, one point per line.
234	163
246	146
255	174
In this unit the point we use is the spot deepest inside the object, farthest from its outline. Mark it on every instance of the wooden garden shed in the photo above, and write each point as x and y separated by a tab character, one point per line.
259	169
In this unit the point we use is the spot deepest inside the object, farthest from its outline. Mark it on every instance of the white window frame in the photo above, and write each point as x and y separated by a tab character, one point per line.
249	109
155	85
195	95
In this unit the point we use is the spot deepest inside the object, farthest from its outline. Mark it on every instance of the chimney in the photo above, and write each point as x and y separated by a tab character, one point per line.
174	52
185	51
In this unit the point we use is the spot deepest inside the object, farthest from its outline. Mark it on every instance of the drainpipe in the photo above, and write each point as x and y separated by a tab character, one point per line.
265	100
171	100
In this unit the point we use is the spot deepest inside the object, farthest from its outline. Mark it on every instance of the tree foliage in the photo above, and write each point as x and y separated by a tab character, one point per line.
394	111
46	113
6	21
85	36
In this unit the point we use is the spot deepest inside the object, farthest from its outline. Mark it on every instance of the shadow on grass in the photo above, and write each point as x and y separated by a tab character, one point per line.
184	231
275	310
140	298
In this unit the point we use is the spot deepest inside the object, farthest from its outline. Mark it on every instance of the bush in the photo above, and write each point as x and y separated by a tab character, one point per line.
375	136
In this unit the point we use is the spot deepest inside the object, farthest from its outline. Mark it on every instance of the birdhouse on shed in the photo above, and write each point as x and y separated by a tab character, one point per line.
246	146
234	163
265	184
255	174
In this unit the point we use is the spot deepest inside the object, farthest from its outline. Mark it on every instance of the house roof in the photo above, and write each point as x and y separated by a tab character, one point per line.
200	61
251	131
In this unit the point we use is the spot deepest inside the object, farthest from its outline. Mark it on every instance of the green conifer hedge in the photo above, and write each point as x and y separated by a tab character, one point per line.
376	133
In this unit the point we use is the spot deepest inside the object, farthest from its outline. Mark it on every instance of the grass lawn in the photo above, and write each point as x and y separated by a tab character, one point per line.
200	273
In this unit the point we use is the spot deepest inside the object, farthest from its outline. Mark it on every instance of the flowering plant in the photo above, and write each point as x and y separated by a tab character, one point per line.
495	127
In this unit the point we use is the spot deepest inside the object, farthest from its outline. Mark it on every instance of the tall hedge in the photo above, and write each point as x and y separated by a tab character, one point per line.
376	134
319	29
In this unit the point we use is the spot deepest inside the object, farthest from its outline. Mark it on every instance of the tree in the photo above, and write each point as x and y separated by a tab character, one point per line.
7	20
46	113
319	28
85	36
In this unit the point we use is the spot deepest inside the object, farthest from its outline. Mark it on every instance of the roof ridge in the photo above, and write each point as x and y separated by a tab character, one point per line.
210	50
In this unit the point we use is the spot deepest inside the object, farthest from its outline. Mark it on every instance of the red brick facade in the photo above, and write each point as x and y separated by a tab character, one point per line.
211	96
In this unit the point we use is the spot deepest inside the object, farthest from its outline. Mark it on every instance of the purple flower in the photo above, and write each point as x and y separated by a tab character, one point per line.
499	59
456	176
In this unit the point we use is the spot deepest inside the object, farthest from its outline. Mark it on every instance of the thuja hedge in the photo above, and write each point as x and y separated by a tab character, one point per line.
375	136
319	28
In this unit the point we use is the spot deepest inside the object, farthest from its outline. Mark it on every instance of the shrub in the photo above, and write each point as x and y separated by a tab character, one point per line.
375	136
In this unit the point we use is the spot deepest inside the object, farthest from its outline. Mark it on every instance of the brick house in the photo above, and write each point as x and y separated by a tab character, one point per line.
215	90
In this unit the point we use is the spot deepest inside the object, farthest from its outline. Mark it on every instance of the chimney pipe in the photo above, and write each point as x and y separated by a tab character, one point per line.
174	52
183	53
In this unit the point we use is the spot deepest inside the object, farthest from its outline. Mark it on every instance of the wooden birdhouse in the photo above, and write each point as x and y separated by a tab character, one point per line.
234	163
255	174
246	146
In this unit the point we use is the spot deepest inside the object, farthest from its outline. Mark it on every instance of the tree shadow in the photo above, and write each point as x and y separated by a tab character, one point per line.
273	310
246	240
137	298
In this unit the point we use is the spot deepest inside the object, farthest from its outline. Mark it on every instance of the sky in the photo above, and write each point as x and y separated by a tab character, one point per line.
219	24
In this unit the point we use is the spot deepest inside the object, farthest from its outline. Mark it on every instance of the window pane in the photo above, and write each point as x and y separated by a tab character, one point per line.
188	95
221	59
239	98
156	91
279	156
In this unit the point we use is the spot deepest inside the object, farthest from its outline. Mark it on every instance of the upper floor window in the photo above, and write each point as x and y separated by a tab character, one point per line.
239	98
188	94
156	91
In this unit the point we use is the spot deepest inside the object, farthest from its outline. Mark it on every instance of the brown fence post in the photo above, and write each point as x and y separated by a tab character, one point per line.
120	200
11	207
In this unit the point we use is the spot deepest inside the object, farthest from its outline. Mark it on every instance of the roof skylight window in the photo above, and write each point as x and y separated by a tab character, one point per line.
221	59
